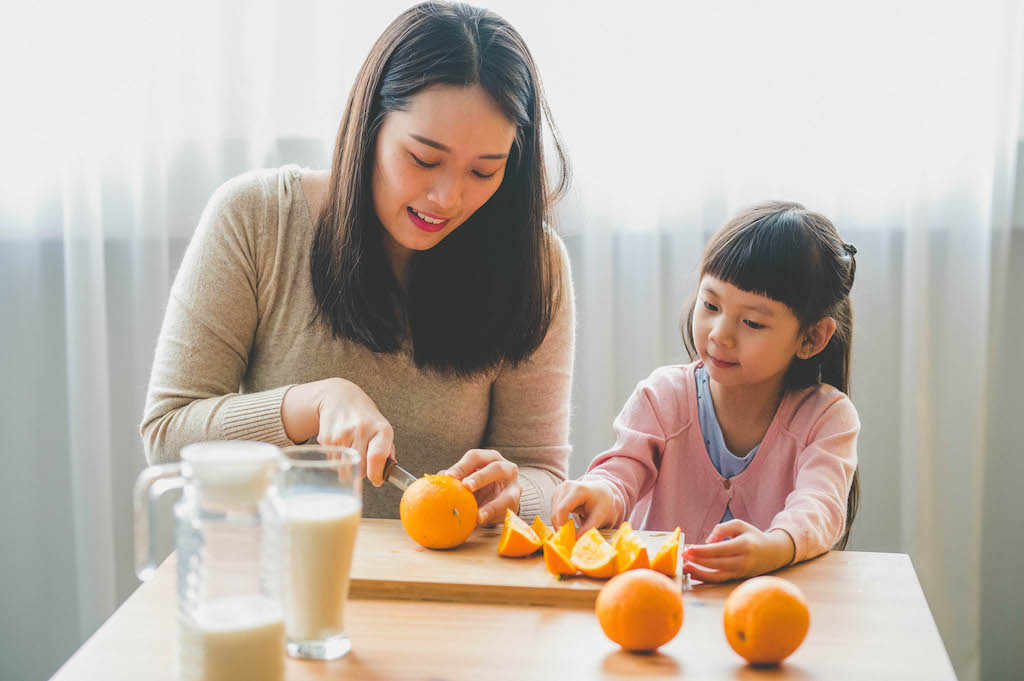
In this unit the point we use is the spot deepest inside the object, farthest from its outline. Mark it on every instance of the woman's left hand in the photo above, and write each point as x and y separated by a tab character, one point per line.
736	549
494	481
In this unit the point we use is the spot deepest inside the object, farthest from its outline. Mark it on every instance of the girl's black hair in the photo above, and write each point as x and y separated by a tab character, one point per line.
787	253
484	296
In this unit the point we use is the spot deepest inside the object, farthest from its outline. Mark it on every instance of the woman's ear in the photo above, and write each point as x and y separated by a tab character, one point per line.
817	337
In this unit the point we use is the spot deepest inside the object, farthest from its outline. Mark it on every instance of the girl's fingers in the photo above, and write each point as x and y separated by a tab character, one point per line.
727	530
573	497
702	552
703	574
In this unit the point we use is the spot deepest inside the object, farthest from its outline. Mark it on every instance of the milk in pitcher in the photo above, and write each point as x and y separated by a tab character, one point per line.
233	639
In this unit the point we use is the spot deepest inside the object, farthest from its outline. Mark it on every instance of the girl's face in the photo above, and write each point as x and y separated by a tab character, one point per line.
436	163
743	338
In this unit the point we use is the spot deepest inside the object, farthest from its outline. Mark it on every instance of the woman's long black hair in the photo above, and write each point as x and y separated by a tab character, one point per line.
484	296
787	253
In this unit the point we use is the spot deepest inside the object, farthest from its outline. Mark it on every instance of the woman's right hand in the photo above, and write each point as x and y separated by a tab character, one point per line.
591	499
339	413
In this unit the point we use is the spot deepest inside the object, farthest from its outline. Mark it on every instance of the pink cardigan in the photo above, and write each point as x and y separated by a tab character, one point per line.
798	481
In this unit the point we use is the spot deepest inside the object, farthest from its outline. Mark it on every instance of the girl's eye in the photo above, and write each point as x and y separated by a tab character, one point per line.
709	306
421	163
484	177
753	325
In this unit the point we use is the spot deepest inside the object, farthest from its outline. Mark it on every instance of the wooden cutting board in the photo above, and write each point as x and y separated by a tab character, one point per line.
388	564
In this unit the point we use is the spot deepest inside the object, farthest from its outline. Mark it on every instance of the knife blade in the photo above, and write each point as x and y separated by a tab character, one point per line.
398	476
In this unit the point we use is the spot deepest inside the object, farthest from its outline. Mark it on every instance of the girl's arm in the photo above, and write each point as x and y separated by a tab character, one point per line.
813	517
629	469
815	512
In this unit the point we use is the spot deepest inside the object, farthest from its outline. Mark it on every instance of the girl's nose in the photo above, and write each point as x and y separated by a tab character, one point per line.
720	334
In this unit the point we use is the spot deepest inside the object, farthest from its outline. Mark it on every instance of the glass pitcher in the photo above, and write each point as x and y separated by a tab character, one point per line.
230	620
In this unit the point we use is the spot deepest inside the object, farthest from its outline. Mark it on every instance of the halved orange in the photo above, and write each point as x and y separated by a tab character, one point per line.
543	531
566	536
665	559
595	557
517	539
632	553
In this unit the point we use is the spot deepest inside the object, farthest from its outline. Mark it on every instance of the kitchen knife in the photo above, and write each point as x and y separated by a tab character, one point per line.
398	476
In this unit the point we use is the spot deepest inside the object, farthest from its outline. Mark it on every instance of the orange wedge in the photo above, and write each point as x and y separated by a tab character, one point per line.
517	538
665	559
632	553
543	531
624	529
558	551
594	557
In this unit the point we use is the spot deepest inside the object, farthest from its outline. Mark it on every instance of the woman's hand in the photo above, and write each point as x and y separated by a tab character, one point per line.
494	481
592	500
736	549
339	413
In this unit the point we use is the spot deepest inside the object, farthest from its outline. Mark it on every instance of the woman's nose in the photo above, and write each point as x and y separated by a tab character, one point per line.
446	193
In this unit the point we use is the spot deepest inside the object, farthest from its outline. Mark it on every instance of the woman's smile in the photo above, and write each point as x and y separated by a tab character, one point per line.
426	221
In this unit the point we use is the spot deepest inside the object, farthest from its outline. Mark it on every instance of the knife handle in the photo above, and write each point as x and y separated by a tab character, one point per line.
389	466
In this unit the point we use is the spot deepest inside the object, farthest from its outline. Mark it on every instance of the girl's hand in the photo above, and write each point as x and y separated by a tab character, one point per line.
494	481
592	500
339	413
736	549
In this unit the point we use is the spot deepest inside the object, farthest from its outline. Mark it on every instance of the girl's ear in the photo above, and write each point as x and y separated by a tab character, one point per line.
817	337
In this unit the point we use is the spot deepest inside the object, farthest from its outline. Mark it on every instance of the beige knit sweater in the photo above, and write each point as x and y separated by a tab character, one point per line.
237	333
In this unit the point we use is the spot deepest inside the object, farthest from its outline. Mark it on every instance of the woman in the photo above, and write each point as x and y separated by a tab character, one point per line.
411	303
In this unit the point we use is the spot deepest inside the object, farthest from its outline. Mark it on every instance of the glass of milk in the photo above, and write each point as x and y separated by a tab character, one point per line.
230	620
318	503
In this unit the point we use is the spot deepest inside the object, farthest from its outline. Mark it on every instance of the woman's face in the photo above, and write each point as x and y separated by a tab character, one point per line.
436	163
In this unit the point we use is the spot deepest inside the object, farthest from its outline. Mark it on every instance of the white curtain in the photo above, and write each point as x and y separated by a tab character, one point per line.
897	120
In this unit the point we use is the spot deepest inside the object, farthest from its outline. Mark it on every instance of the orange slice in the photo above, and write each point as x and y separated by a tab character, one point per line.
632	553
517	538
624	529
665	559
594	557
543	531
558	551
556	559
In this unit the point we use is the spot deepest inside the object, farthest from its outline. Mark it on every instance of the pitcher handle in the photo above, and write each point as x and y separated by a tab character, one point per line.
152	483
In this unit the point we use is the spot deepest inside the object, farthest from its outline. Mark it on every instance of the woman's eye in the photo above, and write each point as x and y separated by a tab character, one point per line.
421	163
482	176
709	306
753	325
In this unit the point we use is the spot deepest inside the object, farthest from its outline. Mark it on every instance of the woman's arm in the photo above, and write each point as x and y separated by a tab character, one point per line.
208	328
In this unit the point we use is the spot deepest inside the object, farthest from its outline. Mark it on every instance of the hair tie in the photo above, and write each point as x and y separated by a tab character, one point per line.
850	249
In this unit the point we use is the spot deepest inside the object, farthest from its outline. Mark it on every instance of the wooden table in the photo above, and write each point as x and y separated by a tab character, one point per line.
869	620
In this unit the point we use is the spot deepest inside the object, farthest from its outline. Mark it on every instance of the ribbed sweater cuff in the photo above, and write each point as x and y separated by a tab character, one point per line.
531	503
801	541
256	416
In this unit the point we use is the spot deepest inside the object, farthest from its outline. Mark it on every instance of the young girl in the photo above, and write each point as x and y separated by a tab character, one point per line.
756	440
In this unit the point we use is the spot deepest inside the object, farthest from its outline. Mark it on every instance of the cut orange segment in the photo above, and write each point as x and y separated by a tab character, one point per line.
517	538
558	550
624	529
631	552
665	559
566	537
556	559
595	557
543	531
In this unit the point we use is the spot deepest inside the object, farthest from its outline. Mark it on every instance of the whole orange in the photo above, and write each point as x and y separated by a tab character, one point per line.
640	609
438	511
766	619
